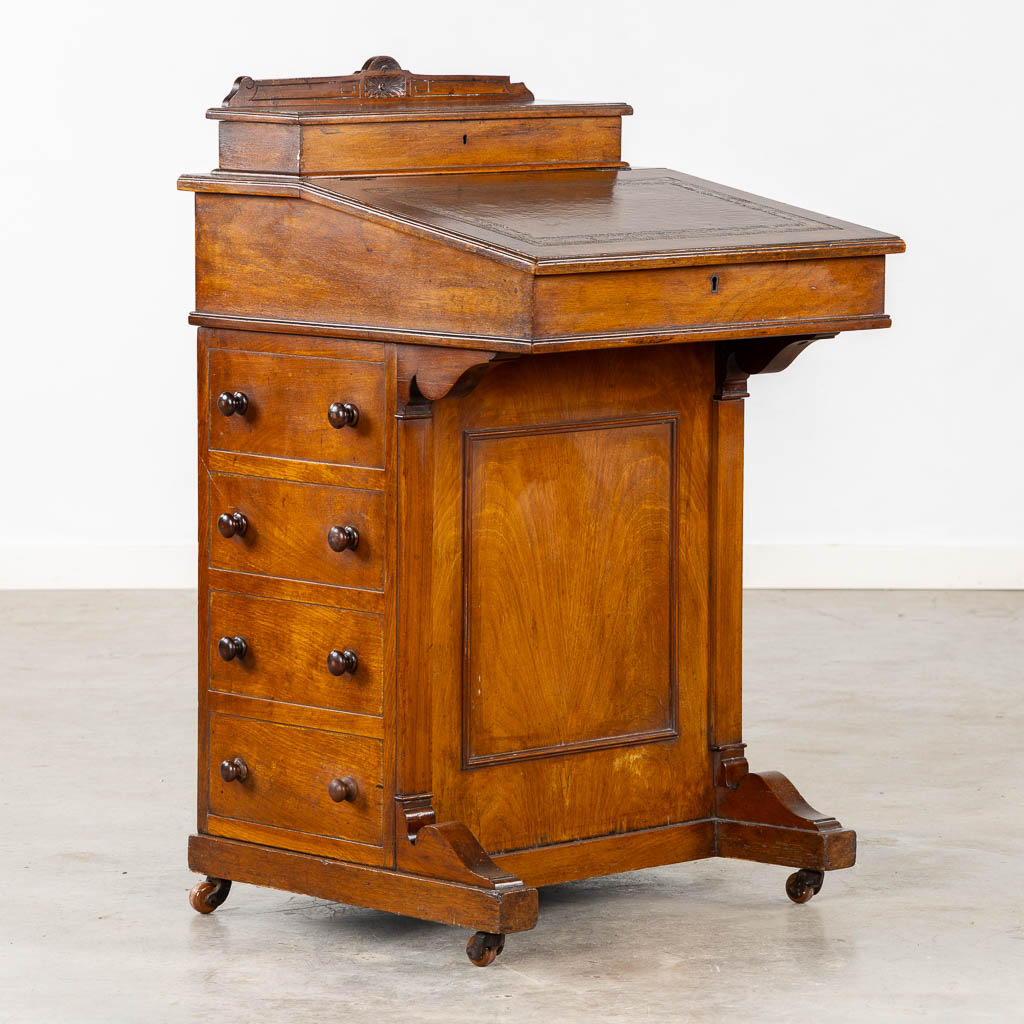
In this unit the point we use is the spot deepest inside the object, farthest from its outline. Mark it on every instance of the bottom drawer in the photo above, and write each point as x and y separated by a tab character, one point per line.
288	774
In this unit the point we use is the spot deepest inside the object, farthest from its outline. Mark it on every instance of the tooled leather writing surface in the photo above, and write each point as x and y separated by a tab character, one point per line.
566	214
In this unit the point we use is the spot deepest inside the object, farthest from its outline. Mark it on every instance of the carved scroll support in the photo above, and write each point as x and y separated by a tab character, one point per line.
739	359
448	851
427	373
761	816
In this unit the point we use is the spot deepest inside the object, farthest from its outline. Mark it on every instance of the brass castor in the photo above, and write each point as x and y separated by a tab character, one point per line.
804	884
207	896
483	947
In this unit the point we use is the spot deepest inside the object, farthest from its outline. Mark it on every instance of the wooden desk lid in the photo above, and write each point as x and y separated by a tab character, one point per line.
589	219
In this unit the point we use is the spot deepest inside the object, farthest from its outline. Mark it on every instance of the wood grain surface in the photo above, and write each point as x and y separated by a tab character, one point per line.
288	398
288	527
289	772
569	535
288	643
574	794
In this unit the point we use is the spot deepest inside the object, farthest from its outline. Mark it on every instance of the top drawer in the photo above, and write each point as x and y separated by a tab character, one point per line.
287	407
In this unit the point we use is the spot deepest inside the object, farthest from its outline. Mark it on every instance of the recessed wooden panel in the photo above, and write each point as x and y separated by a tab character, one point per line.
288	527
288	398
606	783
289	770
564	649
287	644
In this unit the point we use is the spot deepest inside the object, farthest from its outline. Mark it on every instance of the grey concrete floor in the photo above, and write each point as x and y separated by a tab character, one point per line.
899	713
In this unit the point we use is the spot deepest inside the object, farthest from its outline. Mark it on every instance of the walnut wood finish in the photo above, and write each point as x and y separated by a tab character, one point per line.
288	526
500	911
288	775
598	577
288	407
471	497
386	119
289	648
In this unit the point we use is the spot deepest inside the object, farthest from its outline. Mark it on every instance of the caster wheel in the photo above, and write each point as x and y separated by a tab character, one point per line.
207	896
483	948
804	884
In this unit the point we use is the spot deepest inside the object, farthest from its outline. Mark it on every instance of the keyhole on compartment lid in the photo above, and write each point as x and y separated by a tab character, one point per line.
464	139
714	284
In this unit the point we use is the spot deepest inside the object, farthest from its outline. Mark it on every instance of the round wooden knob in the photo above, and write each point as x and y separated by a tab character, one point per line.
340	662
234	770
232	524
230	402
229	647
343	538
343	789
342	414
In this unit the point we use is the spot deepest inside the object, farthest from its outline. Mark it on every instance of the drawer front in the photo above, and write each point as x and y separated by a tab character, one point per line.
288	772
286	527
287	407
286	653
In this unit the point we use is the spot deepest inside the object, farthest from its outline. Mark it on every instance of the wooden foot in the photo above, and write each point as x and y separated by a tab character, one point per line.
450	851
803	884
499	908
484	947
207	896
762	817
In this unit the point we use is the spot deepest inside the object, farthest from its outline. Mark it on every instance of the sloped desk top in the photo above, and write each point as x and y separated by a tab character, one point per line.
571	217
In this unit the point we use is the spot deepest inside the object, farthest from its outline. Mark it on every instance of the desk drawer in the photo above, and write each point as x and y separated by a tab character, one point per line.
286	653
297	407
288	772
284	530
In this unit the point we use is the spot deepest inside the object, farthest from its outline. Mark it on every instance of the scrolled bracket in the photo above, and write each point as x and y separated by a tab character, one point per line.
427	373
738	359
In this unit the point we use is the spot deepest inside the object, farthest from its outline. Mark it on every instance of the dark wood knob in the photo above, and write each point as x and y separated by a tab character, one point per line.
343	538
342	414
229	647
230	402
232	524
343	789
234	770
340	662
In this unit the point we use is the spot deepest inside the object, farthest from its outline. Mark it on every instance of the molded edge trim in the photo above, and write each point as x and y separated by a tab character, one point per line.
562	343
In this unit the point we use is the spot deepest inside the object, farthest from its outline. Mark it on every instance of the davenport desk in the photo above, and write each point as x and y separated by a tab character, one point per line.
470	502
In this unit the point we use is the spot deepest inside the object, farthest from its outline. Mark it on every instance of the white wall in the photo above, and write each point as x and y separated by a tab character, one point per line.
887	458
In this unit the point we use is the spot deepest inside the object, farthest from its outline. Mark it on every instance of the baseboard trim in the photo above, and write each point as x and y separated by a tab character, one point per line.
766	567
882	567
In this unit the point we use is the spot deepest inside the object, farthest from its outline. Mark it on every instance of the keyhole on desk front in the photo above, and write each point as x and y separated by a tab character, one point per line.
714	283
464	137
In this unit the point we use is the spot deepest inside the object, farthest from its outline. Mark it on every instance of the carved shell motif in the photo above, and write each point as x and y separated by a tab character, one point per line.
384	87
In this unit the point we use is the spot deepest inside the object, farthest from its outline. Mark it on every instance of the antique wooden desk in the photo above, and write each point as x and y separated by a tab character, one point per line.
470	444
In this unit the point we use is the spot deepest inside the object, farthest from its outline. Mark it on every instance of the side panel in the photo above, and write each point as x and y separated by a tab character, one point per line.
569	669
288	259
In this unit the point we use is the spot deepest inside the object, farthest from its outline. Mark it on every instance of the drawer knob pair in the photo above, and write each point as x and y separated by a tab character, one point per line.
230	647
343	538
340	662
234	770
232	524
230	402
342	414
343	789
